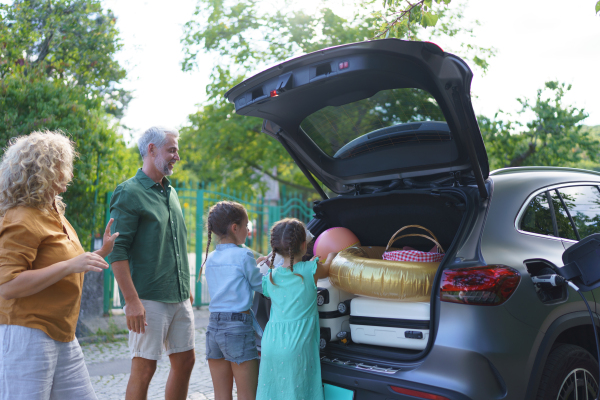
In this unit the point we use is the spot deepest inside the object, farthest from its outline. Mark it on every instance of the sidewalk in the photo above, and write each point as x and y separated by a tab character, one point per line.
109	366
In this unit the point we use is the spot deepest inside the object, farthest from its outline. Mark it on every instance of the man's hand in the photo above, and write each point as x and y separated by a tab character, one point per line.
136	316
191	298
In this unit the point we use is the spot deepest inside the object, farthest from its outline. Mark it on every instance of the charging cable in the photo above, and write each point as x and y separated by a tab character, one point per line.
553	280
557	280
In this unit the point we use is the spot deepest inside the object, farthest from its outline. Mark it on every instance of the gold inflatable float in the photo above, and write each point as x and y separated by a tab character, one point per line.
362	271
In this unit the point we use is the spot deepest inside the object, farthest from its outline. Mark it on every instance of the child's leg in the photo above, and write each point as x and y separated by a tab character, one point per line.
246	379
222	378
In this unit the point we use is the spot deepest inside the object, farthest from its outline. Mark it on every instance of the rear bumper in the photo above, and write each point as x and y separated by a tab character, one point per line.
367	386
455	374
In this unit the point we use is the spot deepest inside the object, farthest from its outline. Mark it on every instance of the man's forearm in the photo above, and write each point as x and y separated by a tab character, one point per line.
123	277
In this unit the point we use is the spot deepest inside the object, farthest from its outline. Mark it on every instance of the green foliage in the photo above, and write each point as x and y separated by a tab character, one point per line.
598	7
593	131
58	72
591	161
400	17
36	103
334	126
235	151
554	137
222	146
452	24
71	40
228	149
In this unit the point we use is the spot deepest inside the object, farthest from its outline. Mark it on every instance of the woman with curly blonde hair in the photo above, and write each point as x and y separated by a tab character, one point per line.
42	265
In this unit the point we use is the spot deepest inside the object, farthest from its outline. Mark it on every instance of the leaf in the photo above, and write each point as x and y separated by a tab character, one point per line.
429	19
597	7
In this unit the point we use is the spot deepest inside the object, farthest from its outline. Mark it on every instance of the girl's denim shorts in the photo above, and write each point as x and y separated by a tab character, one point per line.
231	336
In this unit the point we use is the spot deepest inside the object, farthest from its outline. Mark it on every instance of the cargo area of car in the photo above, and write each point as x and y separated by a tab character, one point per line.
374	218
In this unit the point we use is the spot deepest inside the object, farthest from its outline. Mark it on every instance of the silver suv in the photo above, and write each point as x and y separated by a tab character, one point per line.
388	126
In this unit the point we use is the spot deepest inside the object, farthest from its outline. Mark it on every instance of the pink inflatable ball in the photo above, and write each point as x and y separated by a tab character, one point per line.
334	240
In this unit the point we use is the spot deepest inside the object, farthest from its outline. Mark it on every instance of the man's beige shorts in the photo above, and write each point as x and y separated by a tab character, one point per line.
170	328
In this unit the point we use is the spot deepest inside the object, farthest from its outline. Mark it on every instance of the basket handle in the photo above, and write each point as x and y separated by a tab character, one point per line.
434	239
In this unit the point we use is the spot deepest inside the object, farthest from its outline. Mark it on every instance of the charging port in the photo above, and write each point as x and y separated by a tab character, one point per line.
546	293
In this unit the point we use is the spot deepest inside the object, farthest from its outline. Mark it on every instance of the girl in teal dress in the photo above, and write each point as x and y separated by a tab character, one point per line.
290	367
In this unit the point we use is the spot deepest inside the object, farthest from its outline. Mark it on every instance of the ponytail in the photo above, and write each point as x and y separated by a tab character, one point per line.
272	265
207	247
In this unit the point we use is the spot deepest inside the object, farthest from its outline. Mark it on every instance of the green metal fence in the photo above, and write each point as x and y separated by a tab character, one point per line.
195	202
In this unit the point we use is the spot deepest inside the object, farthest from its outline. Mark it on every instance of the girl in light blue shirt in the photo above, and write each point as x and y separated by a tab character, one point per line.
232	277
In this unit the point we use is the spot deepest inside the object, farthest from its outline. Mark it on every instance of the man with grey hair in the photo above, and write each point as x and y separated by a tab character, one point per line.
150	264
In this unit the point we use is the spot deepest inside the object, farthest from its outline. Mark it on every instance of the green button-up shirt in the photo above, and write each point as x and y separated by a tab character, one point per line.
152	237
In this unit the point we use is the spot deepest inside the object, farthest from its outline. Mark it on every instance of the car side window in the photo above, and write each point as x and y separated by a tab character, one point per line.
583	203
563	223
538	217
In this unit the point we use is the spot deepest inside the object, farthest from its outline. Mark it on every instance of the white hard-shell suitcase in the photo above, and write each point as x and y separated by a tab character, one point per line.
389	323
334	311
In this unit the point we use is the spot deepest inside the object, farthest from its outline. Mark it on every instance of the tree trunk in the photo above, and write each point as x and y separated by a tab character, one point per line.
520	159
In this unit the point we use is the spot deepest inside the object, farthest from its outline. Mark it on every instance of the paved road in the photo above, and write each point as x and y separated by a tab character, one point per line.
109	366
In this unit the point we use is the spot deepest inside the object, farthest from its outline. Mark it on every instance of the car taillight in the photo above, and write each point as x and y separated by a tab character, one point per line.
485	286
418	394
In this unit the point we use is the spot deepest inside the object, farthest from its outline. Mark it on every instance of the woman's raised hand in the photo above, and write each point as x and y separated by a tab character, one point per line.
108	241
86	262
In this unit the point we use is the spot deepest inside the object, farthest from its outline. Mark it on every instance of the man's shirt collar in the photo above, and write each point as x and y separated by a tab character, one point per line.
147	183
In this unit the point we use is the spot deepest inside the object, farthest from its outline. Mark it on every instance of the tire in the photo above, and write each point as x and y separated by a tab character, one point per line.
569	368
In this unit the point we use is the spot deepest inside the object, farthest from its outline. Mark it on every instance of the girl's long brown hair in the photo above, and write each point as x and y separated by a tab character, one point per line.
220	217
287	237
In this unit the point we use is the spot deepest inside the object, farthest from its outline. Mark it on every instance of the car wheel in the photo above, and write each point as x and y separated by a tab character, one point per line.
570	373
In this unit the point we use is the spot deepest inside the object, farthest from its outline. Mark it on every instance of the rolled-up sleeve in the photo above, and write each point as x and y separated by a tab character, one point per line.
19	242
252	272
124	211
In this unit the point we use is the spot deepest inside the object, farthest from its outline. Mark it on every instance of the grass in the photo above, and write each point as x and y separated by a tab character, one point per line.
111	332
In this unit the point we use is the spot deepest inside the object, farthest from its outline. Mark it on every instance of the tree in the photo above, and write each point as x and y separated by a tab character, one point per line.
71	40
58	72
554	137
36	103
402	15
225	147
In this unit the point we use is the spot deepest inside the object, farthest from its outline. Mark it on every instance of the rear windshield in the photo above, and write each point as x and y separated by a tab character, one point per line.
388	118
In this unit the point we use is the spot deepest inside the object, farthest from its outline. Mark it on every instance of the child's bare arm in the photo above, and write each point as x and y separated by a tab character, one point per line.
261	259
323	268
